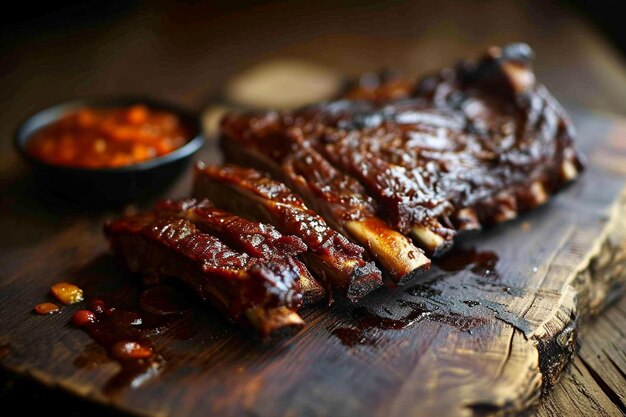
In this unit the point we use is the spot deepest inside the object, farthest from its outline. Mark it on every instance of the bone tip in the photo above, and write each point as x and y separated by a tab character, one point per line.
431	241
539	193
466	220
504	214
522	79
404	279
312	291
364	280
275	323
569	170
506	208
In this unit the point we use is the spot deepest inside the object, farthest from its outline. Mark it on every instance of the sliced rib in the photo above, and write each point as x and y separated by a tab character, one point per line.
331	256
264	293
262	142
253	238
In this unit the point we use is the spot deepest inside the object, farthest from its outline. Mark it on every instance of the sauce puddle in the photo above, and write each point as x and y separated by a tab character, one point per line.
362	332
359	333
127	327
363	329
481	263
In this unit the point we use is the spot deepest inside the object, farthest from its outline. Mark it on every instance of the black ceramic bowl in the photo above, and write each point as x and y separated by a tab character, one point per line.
108	185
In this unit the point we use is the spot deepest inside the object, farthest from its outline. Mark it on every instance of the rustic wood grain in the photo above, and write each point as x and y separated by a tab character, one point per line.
578	395
596	383
482	344
603	353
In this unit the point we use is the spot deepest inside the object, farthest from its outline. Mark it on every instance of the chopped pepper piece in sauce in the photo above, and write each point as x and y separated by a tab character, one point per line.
67	293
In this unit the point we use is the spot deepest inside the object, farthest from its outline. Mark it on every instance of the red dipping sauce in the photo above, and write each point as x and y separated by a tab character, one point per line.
109	137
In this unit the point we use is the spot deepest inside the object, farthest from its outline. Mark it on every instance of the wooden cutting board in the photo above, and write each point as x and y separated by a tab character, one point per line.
481	337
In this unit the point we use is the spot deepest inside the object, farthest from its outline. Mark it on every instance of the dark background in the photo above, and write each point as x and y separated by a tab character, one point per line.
25	20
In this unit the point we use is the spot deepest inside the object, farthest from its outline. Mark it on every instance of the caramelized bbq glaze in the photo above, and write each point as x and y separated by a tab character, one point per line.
256	239
477	136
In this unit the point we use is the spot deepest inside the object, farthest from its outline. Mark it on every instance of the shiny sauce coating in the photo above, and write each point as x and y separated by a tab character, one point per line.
109	137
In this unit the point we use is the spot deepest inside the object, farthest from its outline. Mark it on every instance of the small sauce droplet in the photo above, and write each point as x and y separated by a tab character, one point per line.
83	317
367	321
47	308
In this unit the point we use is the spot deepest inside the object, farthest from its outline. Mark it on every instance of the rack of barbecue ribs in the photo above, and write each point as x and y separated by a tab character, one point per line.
471	145
366	187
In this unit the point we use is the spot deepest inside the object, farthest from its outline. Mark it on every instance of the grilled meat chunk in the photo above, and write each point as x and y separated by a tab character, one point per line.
253	238
331	256
264	292
471	145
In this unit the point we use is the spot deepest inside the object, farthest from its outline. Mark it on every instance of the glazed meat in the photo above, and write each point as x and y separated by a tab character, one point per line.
337	197
471	145
330	256
264	291
520	138
256	239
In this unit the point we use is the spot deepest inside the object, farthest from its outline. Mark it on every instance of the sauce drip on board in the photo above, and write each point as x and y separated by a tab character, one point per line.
47	308
127	330
364	327
482	263
364	330
360	334
109	137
